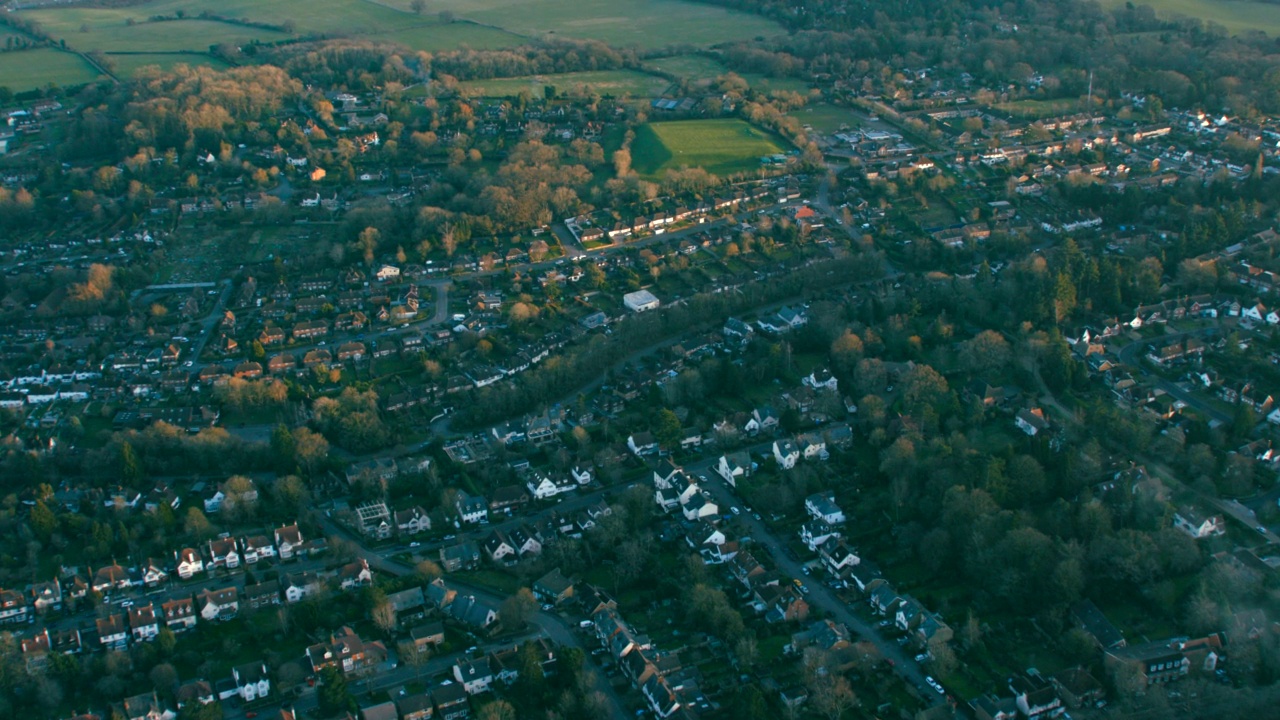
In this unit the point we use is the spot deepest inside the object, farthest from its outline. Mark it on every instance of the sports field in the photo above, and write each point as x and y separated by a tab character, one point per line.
826	118
31	69
722	147
608	82
1237	16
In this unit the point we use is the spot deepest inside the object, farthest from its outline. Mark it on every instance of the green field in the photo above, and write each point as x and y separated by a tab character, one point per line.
719	146
608	82
1237	16
495	23
766	84
694	68
126	66
31	69
1041	108
645	23
826	118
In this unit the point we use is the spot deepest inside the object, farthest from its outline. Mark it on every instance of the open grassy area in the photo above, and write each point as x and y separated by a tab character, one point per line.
719	146
764	83
1042	108
608	82
494	23
126	66
694	68
1237	16
31	69
826	118
645	23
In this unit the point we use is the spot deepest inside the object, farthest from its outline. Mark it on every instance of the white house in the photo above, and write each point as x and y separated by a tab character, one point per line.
822	380
581	475
699	506
786	453
472	509
475	677
288	540
1197	525
733	466
388	272
822	506
252	681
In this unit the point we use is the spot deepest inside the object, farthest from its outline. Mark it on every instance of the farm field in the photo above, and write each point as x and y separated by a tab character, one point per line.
694	68
1237	16
608	82
645	23
826	118
452	36
31	69
719	146
108	31
126	66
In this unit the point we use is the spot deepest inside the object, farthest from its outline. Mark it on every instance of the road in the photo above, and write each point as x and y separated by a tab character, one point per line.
819	595
1129	356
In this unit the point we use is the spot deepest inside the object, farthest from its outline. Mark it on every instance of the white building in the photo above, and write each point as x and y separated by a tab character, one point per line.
640	301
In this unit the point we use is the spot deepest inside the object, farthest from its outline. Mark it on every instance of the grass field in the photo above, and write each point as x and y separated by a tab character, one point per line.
1237	16
501	23
31	69
766	84
694	68
826	118
719	146
608	82
126	66
1042	108
645	23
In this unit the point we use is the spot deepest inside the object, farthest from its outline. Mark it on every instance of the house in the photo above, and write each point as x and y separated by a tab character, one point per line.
451	702
498	547
263	594
179	614
143	623
346	652
838	556
223	553
812	446
189	563
1165	661
355	574
429	634
13	607
218	605
785	453
1095	623
288	540
374	519
412	521
699	505
408	603
1197	525
464	555
1077	687
300	586
387	273
106	579
472	509
377	472
144	707
553	588
113	633
471	611
1031	421
194	692
642	444
46	596
821	379
475	677
252	681
733	466
382	711
822	506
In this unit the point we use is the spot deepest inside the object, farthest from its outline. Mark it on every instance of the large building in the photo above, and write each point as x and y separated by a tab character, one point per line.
640	301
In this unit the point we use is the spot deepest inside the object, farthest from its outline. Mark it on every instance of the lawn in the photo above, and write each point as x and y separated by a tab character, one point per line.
1041	108
826	118
1237	16
31	69
693	68
608	82
719	146
645	23
764	83
126	66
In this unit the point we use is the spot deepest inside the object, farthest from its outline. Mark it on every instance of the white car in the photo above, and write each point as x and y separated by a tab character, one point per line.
934	684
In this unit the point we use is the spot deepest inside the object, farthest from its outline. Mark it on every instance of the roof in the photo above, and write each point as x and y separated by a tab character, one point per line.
1096	624
554	582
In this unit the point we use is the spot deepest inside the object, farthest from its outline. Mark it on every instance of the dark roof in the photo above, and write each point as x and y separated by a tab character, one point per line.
1097	625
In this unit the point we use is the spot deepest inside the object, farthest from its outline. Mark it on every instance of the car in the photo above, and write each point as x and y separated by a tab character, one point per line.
735	510
1262	530
804	590
414	544
934	684
797	582
450	537
251	714
883	623
922	657
126	603
805	569
755	515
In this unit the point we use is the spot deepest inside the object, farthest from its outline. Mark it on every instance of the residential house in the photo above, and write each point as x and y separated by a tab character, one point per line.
144	707
374	519
300	586
346	652
288	540
218	605
475	677
263	594
451	702
1031	421
256	548
733	466
785	453
13	607
355	575
1198	525
194	692
144	625
46	596
553	588
223	553
472	509
1165	661
179	614
642	444
252	681
417	706
113	633
464	555
189	563
822	506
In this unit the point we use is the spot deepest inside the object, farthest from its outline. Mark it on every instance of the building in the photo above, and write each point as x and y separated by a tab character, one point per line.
640	301
346	652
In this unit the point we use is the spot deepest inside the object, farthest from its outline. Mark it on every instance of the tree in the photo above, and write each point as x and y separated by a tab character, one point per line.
831	695
197	525
43	521
130	466
498	710
418	6
333	695
416	656
311	449
517	609
428	570
368	243
384	616
667	430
